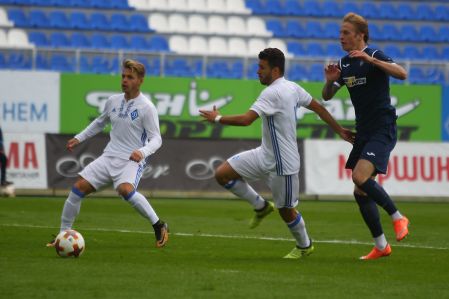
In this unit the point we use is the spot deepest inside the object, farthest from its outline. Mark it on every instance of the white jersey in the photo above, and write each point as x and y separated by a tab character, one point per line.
276	106
135	125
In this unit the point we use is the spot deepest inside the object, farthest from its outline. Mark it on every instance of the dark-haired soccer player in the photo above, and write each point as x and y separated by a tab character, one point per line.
276	161
365	72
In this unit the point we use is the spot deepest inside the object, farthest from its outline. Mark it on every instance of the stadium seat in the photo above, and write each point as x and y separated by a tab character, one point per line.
313	29
312	8
3	39
296	48
38	19
59	40
178	44
256	6
441	13
294	29
18	17
79	20
251	71
179	67
430	53
18	38
218	46
406	11
255	45
38	38
158	43
158	22
177	23
3	64
58	20
119	4
331	30
199	6
138	23
389	32
198	45
369	10
237	46
331	9
275	7
138	42
139	4
236	26
443	33
392	51
41	62
350	7
237	7
277	27
217	25
416	75
280	44
99	41
158	5
19	61
99	21
197	24
411	52
434	75
236	70
427	33
334	51
425	12
178	5
297	72
293	8
387	11
314	49
119	22
255	26
61	63
217	6
79	40
445	53
316	72
218	69
100	65
408	33
80	3
4	21
119	41
374	32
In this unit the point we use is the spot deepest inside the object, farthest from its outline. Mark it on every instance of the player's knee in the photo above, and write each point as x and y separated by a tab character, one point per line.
125	189
288	214
358	178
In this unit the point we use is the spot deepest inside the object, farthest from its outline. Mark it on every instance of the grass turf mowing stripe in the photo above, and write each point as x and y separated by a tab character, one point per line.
353	242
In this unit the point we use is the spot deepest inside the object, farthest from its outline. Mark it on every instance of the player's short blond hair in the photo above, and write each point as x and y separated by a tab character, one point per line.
134	66
359	22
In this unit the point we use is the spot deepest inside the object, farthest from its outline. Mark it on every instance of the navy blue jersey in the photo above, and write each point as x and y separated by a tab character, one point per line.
369	88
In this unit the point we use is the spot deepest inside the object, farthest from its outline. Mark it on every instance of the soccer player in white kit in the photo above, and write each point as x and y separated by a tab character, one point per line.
276	161
134	137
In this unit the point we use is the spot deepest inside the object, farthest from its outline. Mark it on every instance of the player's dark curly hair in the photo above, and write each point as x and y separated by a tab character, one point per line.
275	58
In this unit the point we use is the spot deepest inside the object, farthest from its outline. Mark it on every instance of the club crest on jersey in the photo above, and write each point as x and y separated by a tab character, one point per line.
353	81
134	115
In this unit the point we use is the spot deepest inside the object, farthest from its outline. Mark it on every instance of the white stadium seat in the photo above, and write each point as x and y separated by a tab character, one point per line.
237	46
198	45
237	7
3	39
158	5
158	22
178	44
255	26
18	38
217	6
139	4
197	5
255	45
218	46
197	24
177	23
4	21
217	25
236	26
280	44
178	5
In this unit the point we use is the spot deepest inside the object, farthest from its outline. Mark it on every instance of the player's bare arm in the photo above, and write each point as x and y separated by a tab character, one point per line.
392	69
72	143
136	156
332	73
213	116
344	133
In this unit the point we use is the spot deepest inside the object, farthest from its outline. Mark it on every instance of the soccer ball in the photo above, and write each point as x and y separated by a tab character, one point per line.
69	243
8	191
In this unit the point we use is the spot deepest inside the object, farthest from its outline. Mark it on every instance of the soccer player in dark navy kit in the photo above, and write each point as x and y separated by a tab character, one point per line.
365	72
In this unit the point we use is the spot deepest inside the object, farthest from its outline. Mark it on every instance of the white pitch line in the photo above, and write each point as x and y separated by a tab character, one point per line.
353	242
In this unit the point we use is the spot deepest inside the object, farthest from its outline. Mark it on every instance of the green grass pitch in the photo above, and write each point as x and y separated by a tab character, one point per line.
211	252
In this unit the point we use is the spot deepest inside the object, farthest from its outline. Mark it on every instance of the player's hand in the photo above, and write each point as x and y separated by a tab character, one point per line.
361	55
347	135
136	156
332	72
72	143
209	115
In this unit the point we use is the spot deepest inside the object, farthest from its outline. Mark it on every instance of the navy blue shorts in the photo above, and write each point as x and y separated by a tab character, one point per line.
374	147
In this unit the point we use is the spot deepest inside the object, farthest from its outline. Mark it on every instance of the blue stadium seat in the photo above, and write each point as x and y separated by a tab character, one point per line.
18	17
138	42
179	67
294	29
408	33
331	30
431	53
374	32
38	19
84	65
392	51
425	11
158	43
38	38
99	21
295	48
441	13
218	69
58	19
100	65
79	20
427	33
256	6
119	22
277	27
59	40
411	52
434	75
334	51
19	61
314	49
41	62
316	72
416	75
79	40
297	72
350	7
332	9
3	64
119	4
312	8
119	41
389	32
251	72
313	29
155	69
445	53
406	11
387	11
275	7
293	8
99	41
236	70
369	10
443	33
138	23
61	63
80	3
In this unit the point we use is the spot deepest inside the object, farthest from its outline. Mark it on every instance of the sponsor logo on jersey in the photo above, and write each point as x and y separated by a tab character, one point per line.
353	81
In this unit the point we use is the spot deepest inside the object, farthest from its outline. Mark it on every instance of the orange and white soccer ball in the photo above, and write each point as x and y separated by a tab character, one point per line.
69	243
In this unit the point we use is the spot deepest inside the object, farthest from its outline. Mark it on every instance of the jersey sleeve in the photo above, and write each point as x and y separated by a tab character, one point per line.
97	125
340	82
304	98
265	103
378	54
151	126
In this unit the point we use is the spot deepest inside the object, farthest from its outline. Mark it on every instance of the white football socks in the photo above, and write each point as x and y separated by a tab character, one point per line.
141	204
243	190
298	229
70	211
380	242
396	216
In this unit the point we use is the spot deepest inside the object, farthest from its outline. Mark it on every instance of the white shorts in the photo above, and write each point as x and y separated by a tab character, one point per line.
105	170
284	188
